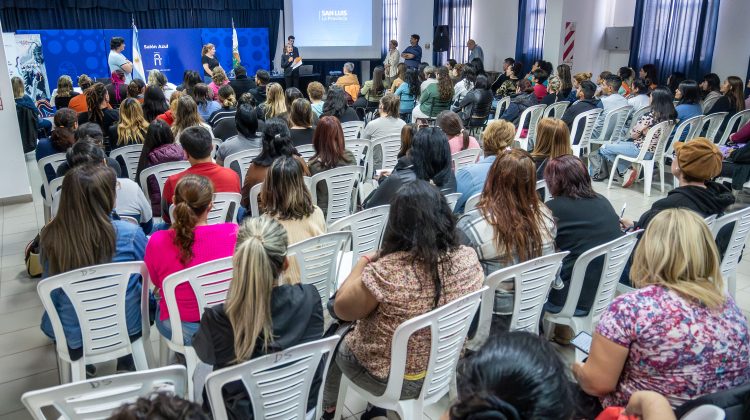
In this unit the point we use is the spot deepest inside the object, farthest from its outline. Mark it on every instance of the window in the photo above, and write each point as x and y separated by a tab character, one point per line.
390	23
530	40
457	15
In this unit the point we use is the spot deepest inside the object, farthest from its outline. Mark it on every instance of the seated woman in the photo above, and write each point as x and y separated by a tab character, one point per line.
190	241
400	77
24	101
276	143
168	115
552	140
64	92
428	159
435	98
689	101
158	147
154	102
408	92
476	105
316	91
130	128
246	122
458	138
118	89
523	99
419	267
510	224
584	219
261	314
83	234
336	105
219	79
98	111
204	99
301	122
61	139
509	86
679	334
465	85
228	101
330	152
662	109
275	104
372	90
186	115
290	95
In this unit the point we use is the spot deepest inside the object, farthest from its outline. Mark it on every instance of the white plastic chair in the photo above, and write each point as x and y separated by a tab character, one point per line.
317	259
710	222
54	161
738	120
616	254
54	186
711	123
342	190
740	232
367	228
210	283
161	171
215	143
635	116
97	294
584	142
390	147
242	160
556	110
130	155
689	128
705	412
97	398
306	151
452	200
254	198
664	129
360	148
472	202
278	384
531	114
502	105
614	122
532	281
225	208
465	158
541	186
448	326
352	129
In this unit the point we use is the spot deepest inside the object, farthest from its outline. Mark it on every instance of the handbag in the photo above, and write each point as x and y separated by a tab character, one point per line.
32	259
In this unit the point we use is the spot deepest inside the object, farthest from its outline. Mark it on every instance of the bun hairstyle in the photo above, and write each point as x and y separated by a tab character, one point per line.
63	136
227	97
192	198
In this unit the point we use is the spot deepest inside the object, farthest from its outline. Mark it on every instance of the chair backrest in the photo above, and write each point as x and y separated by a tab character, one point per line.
306	151
210	284
54	161
367	228
464	158
97	398
254	198
740	232
216	143
278	383
390	147
225	208
541	187
472	202
533	280
711	123
361	149
318	261
705	412
130	155
161	171
589	118
242	161
342	190
97	294
688	128
736	122
452	200
635	116
448	325
556	110
533	114
663	130
614	122
54	186
502	105
616	254
735	402
710	222
352	129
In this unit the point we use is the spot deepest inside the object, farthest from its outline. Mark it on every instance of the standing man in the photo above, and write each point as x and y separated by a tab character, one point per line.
117	60
390	65
412	55
291	53
475	51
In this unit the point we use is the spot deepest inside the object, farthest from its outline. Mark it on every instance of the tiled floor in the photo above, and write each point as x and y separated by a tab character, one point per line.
27	358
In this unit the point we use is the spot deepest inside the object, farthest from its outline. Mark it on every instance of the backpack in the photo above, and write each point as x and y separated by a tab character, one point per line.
598	165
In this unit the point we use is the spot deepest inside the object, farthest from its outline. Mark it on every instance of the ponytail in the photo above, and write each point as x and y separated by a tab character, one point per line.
193	196
466	140
229	102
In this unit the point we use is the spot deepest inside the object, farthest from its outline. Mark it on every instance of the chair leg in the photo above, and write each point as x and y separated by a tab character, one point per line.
78	370
612	172
661	175
191	360
648	176
732	284
139	354
64	371
341	399
163	352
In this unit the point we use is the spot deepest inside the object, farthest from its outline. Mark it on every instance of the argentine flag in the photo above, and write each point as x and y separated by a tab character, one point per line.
138	72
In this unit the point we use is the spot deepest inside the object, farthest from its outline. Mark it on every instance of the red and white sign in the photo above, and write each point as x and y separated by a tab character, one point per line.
568	43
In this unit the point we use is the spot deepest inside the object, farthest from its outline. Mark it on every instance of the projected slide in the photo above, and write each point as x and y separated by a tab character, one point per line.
332	23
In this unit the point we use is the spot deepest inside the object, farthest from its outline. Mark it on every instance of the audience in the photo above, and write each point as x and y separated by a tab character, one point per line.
458	138
372	90
330	152
586	102
131	127
400	77
301	122
689	104
136	89
610	100
349	81
316	92
732	99
408	91
649	73
190	241
168	115
466	84
90	132
64	92
436	97
420	266
158	80
190	78
186	116
336	105
61	139
78	102
523	99
678	334
118	89
161	406
510	84
262	78
246	122
539	78
711	92
626	75
476	106
290	95
204	100
241	83
98	111
566	92
553	90
275	104
158	147
154	102
639	94
388	124
552	140
261	314
674	80
218	79
228	102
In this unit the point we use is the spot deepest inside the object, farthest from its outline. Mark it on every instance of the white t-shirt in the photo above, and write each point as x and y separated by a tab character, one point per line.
116	61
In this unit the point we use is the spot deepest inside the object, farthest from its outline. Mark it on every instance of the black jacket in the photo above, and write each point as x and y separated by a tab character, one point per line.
297	318
402	173
478	102
259	94
579	107
242	85
286	64
29	125
517	105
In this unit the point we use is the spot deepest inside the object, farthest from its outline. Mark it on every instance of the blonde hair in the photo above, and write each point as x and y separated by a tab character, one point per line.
206	48
219	75
174	99
580	77
258	262
18	88
133	125
679	252
498	136
186	114
552	139
64	86
275	104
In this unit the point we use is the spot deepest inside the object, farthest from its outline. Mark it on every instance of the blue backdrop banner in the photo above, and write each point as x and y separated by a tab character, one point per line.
253	47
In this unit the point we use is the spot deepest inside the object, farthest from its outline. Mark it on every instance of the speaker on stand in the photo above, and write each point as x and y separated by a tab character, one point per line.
441	41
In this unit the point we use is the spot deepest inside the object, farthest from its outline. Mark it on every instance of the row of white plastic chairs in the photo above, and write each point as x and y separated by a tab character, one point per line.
98	296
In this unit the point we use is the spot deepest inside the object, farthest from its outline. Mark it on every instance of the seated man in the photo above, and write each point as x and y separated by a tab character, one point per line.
262	78
196	141
585	102
349	81
610	99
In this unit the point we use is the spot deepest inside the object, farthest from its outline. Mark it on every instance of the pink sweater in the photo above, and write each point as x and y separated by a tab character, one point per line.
163	258
457	142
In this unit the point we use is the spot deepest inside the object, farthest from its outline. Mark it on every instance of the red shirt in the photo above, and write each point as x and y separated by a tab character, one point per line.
540	91
224	180
166	117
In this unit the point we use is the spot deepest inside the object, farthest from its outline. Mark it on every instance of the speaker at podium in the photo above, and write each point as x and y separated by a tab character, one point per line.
441	42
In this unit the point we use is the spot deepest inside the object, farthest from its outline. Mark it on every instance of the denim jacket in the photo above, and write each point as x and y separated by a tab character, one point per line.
130	245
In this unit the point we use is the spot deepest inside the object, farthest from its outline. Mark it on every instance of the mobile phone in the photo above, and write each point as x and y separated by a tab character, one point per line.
582	342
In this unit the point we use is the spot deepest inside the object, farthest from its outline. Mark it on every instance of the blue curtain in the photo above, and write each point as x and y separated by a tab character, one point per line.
390	24
457	15
675	35
530	38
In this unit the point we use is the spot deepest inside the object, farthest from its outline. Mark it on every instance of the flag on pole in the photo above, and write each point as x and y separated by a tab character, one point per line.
235	48
138	72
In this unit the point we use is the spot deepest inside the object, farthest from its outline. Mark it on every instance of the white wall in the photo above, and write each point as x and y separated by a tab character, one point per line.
415	17
732	49
494	25
15	185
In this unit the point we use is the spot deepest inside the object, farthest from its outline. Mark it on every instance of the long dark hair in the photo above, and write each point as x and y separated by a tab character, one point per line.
284	194
652	78
662	106
451	124
158	134
516	375
377	80
154	103
431	156
246	121
736	93
335	103
444	84
276	142
567	176
690	92
328	142
421	223
63	136
407	134
412	78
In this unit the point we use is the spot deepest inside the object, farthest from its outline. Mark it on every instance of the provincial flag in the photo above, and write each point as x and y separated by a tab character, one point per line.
235	48
138	72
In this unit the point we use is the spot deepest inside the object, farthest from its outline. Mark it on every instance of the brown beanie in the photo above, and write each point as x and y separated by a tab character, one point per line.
699	158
